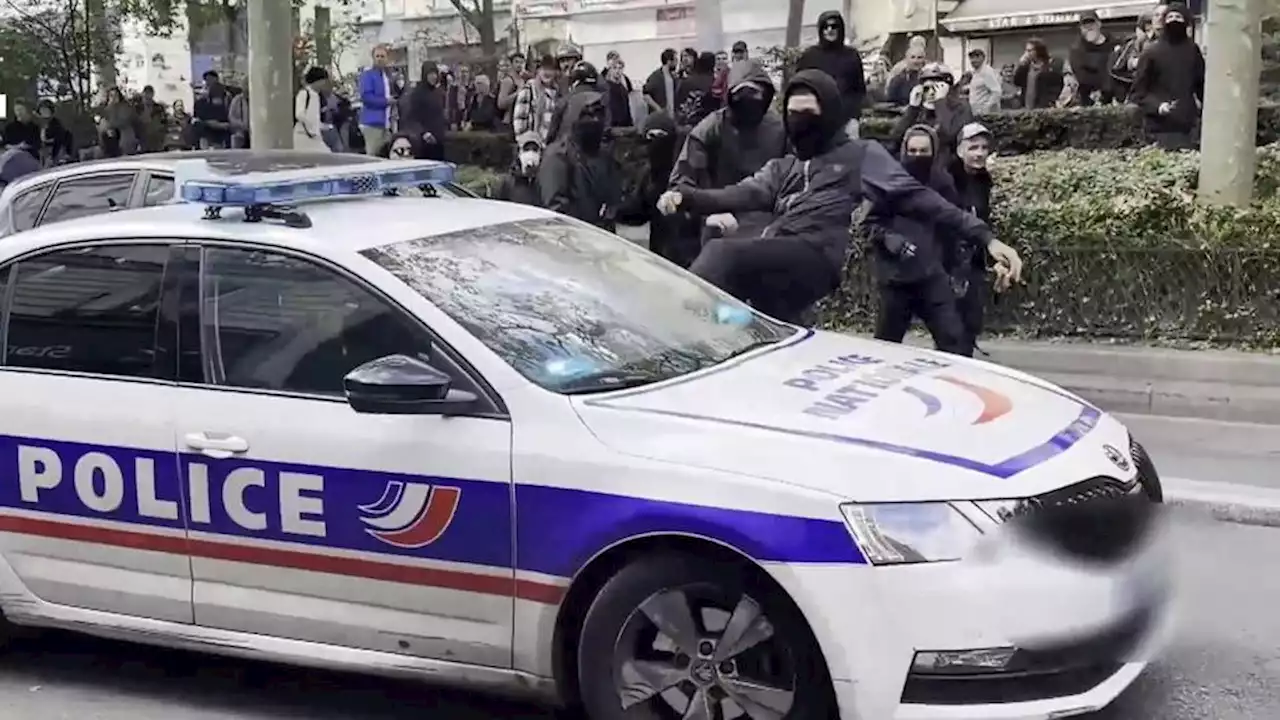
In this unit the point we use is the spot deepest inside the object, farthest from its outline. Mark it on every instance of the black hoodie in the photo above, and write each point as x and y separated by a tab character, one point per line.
1170	70
577	183
841	62
1091	64
813	201
423	108
641	206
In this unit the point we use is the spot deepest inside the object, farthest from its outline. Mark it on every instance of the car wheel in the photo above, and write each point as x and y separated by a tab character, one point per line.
677	637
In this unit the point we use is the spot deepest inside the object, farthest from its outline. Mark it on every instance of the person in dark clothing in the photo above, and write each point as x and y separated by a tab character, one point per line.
843	63
732	144
422	111
482	114
938	103
898	91
909	254
583	78
212	113
1039	76
520	185
660	87
968	267
1169	83
694	99
1090	61
23	130
619	88
813	193
579	176
56	142
16	162
659	133
1124	59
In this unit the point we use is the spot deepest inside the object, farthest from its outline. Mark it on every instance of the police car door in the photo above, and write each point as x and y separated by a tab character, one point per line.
90	508
314	522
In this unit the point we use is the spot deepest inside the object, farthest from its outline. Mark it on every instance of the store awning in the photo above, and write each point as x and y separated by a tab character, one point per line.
978	16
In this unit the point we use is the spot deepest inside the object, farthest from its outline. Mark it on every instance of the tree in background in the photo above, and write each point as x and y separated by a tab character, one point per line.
479	15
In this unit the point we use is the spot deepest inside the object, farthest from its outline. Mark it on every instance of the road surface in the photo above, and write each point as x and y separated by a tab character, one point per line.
1223	665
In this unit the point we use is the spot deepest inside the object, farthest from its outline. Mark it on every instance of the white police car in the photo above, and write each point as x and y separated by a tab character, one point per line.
491	446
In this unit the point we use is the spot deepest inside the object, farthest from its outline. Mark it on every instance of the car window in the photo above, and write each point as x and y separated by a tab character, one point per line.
278	322
26	207
576	309
159	190
93	195
91	310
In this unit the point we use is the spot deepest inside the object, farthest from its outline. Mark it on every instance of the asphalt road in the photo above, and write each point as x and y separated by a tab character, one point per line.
1224	665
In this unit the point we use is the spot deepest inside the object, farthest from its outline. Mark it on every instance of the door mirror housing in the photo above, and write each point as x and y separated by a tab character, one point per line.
403	385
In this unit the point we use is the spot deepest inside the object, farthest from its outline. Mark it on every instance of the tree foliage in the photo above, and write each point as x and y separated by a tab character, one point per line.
50	48
479	15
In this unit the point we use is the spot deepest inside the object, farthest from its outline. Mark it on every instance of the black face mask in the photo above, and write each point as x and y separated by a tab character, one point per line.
1175	32
920	167
589	131
806	132
747	112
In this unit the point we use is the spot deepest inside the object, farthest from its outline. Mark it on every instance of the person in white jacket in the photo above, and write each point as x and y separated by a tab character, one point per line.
307	104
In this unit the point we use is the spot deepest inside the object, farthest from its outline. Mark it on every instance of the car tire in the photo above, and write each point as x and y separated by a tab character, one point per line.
628	600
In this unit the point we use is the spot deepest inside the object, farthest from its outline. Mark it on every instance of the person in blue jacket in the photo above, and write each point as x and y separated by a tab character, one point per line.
376	100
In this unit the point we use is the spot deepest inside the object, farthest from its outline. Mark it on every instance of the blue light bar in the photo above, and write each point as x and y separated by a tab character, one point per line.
291	187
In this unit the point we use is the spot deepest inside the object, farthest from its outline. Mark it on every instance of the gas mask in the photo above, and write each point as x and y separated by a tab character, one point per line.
529	160
934	90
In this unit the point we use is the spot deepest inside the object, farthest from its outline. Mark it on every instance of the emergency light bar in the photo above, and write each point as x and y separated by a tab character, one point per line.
293	186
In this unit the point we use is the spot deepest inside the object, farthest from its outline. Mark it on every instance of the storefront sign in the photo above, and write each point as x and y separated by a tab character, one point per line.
1018	21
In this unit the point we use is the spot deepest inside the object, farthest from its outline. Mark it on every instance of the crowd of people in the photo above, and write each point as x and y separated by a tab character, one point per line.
750	188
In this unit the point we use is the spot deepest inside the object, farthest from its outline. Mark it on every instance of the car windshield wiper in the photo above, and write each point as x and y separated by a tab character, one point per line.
750	347
608	381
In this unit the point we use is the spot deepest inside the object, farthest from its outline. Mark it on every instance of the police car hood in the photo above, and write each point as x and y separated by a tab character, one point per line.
867	421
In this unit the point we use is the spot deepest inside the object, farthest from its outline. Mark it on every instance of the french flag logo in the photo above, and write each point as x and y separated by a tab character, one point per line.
411	515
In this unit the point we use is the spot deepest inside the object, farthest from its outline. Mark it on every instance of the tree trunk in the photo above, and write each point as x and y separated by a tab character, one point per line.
103	45
795	21
488	33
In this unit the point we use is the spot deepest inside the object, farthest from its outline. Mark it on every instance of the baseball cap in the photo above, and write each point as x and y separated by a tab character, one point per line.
977	52
937	71
973	130
1089	16
740	47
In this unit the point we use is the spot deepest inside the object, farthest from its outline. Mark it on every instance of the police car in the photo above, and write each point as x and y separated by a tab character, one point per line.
310	418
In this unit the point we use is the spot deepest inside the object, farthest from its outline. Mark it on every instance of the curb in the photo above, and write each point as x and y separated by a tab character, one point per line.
1225	502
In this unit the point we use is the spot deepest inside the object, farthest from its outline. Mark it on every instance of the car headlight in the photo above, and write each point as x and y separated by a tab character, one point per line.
903	533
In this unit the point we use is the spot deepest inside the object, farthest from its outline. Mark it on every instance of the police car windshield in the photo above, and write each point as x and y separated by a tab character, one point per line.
575	309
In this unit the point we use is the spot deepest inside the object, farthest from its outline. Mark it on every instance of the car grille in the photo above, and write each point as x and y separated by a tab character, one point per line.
1038	673
1147	475
1101	519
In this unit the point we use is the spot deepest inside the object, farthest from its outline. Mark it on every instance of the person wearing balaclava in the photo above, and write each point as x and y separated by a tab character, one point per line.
910	252
813	193
1169	83
583	78
732	144
520	185
423	111
937	103
843	63
579	176
641	207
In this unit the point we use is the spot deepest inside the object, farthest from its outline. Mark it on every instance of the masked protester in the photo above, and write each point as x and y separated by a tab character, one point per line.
910	252
937	103
641	207
423	111
1090	62
583	78
968	267
521	184
1124	59
843	63
732	144
579	176
813	193
1169	83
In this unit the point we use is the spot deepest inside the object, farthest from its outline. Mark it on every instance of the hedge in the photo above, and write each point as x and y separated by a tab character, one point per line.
1116	247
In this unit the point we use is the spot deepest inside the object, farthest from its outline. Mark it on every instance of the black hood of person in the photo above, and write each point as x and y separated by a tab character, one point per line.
662	152
584	120
1177	36
921	168
827	17
817	134
741	73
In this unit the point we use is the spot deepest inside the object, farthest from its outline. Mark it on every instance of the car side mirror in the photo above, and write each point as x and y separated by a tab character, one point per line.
403	385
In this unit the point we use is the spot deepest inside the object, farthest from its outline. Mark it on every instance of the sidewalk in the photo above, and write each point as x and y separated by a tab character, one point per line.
1208	384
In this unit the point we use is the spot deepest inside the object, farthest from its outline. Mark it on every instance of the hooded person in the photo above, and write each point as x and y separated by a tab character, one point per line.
579	176
641	206
733	143
1168	84
520	185
937	103
583	78
813	193
910	253
843	63
423	111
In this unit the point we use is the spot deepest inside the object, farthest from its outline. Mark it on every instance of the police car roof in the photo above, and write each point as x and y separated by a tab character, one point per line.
339	225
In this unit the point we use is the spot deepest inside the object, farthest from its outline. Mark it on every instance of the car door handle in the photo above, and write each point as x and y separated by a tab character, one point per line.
217	445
